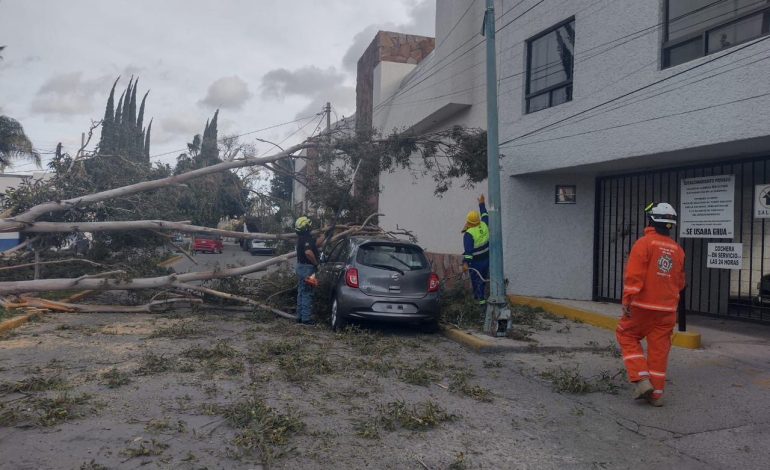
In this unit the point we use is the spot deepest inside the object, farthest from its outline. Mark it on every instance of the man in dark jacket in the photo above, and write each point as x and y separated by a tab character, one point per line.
307	263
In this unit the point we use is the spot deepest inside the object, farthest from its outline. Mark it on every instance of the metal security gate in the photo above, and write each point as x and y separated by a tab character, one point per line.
620	221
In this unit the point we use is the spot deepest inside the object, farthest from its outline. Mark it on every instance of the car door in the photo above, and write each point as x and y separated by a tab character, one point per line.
331	269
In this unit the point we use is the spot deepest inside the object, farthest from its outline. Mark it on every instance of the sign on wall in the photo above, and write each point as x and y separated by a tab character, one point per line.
762	201
725	256
707	207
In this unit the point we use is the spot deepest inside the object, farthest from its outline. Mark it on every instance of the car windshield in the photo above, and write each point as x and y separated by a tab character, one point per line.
390	256
206	236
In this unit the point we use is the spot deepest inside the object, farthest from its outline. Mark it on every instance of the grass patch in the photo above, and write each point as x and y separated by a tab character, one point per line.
221	357
261	428
369	343
179	330
573	382
46	412
493	364
417	376
37	383
302	367
416	417
458	383
144	449
165	426
114	378
151	363
92	465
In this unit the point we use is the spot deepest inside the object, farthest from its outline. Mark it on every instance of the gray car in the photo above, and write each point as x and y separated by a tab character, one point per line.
379	279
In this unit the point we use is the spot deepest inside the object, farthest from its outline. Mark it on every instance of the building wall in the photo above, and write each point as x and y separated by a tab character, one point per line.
548	247
718	110
446	88
690	110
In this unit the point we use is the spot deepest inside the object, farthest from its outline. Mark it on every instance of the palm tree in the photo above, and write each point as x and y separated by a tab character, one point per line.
14	143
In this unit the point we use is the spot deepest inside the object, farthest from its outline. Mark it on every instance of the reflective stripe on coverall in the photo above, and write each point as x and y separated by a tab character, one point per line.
652	282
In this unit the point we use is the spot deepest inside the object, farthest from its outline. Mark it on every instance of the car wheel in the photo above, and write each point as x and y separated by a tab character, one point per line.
338	321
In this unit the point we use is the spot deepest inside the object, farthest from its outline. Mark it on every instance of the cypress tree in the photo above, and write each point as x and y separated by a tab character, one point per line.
147	141
117	135
106	141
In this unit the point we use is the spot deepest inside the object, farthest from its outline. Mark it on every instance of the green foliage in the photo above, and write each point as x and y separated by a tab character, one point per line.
122	133
14	143
453	155
115	378
208	199
261	428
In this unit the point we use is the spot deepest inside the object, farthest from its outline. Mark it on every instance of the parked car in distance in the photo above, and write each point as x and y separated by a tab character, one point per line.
205	242
380	279
259	247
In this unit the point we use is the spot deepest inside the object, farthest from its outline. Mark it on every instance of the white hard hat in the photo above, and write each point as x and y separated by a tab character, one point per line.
661	212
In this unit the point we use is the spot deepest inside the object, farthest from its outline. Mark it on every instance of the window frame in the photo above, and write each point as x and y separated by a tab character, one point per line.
528	96
703	34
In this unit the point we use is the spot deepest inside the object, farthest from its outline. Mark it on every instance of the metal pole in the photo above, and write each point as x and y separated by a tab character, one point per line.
497	319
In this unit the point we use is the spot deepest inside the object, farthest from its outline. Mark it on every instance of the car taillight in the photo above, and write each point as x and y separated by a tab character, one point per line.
433	283
351	278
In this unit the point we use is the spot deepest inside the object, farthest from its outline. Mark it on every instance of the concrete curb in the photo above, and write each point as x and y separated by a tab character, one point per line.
482	345
687	340
466	339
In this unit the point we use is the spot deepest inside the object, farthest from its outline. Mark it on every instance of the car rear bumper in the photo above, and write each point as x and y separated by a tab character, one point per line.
353	303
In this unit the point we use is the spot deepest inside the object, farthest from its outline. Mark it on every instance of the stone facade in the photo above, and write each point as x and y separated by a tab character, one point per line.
388	47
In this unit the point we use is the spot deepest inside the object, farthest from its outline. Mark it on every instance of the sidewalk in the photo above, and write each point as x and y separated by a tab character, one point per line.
717	403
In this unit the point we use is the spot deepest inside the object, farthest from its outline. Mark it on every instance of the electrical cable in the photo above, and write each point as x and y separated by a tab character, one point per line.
240	135
649	85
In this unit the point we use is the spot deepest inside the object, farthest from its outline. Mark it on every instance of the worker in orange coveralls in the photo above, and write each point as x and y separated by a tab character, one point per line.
652	284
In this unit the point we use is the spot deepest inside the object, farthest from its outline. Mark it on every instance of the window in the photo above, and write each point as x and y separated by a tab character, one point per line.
695	28
402	257
550	57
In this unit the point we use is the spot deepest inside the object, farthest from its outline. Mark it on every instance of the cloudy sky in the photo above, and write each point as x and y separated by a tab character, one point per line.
262	62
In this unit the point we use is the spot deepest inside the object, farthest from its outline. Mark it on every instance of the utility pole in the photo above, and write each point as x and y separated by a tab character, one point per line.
328	111
497	320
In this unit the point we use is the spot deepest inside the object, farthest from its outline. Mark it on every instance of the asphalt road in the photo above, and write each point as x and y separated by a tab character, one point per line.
232	255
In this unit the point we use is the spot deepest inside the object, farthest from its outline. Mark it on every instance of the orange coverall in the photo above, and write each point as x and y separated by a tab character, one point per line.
652	282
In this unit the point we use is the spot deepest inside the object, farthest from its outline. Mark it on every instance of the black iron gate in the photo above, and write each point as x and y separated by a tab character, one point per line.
620	221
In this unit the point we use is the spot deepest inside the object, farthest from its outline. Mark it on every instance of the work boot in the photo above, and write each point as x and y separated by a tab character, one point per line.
654	401
643	389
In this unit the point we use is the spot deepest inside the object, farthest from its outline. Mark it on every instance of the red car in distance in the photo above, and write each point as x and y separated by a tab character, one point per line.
204	242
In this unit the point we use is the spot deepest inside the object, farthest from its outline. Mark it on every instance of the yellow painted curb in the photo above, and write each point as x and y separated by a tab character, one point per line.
466	339
168	262
688	339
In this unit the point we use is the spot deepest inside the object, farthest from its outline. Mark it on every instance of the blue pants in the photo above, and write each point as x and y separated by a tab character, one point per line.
479	285
304	291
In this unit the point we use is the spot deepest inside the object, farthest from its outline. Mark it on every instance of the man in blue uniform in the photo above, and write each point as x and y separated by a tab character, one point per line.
476	249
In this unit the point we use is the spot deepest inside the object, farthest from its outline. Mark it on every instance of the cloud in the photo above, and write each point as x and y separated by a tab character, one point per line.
185	124
305	81
227	92
69	93
422	21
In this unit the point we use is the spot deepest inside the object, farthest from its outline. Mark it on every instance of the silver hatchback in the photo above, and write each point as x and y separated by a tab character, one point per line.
379	279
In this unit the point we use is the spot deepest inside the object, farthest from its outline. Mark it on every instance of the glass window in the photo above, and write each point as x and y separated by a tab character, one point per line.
720	23
735	33
403	257
550	58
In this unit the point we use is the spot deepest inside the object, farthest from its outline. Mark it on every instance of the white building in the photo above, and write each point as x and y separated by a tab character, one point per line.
605	106
620	101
